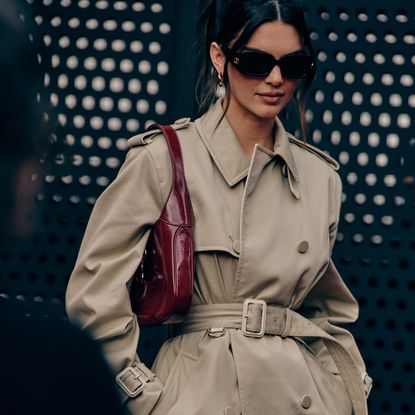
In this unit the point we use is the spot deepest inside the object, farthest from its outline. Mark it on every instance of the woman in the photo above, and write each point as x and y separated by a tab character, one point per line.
261	336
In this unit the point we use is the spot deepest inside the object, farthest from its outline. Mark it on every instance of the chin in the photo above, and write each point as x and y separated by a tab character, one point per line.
268	111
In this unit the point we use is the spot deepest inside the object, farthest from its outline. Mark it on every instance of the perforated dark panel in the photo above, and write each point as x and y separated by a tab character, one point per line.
112	66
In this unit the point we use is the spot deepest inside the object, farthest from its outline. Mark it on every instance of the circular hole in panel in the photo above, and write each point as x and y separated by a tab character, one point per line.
373	139
319	96
349	78
327	117
376	99
362	159
379	200
379	58
401	17
411	101
70	101
404	121
152	87
344	157
357	98
349	217
392	140
55	61
134	86
136	46
144	67
368	78
346	118
46	79
382	16
56	21
330	77
371	179
128	26
332	36
341	57
124	105
100	44
79	121
156	7
94	161
309	115
112	162
114	124
343	15
154	48
110	25
352	178
138	6
164	28
335	137
102	181
92	24
132	125
118	45
104	143
85	180
88	102
82	43
87	141
387	220
395	100
70	140
371	37
390	38
80	82
316	137
116	85
74	22
407	80
163	68
398	59
376	239
98	83
368	219
108	64
322	56
64	42
387	79
160	107
83	4
338	97
384	120
351	37
354	138
121	144
357	238
54	99
359	57
409	38
142	106
90	63
96	123
360	198
381	160
365	119
47	40
146	27
106	103
126	65
120	5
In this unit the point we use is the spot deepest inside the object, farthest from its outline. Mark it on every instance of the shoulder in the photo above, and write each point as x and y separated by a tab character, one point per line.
310	149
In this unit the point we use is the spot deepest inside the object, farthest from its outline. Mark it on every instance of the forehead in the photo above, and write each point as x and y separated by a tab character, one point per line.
275	37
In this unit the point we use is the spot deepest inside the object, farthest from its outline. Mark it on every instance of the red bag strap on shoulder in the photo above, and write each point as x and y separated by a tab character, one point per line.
179	195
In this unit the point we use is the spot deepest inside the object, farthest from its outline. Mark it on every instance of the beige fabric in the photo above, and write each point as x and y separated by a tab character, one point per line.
264	229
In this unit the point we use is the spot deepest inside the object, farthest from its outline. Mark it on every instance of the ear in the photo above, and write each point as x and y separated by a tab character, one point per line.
218	58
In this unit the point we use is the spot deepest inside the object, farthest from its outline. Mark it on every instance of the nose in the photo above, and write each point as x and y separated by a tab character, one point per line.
275	76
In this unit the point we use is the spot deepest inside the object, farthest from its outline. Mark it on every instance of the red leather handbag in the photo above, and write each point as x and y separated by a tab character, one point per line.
162	287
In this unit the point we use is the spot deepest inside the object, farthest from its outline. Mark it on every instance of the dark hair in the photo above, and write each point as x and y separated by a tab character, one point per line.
224	21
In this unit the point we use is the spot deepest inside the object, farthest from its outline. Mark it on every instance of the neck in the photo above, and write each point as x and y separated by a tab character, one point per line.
249	129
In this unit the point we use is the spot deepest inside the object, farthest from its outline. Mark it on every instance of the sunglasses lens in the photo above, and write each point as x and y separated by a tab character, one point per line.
296	66
255	64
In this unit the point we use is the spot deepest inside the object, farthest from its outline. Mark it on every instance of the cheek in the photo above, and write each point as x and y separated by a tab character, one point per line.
290	86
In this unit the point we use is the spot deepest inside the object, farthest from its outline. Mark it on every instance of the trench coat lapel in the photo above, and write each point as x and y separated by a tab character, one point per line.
228	155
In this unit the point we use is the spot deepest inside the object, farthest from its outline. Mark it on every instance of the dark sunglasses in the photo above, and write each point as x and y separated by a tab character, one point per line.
295	65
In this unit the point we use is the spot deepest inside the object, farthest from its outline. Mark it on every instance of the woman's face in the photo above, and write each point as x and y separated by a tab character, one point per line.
248	94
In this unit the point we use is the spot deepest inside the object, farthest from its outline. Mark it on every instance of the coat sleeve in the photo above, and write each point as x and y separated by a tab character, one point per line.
97	296
330	303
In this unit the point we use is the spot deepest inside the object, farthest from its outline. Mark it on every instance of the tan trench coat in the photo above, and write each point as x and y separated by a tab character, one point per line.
264	229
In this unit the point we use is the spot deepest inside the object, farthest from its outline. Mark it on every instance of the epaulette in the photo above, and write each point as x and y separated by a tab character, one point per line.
147	137
319	153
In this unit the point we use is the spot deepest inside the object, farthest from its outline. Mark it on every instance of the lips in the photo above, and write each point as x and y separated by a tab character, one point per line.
274	95
271	98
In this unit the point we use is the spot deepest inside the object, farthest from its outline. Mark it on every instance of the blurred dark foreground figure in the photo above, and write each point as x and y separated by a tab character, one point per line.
47	366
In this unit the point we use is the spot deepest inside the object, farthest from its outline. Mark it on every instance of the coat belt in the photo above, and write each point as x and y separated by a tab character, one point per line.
256	318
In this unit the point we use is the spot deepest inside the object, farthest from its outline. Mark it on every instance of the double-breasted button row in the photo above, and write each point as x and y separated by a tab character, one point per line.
306	401
303	247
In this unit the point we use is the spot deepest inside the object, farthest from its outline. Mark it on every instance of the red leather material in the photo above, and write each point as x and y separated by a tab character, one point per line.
162	287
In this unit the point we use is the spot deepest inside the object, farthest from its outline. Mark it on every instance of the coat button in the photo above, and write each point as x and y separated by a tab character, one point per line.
303	247
306	402
237	247
229	411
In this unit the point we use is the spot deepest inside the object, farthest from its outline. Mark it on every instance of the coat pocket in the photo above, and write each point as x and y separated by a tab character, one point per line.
180	372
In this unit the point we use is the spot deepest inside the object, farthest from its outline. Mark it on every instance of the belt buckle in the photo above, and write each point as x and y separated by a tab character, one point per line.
136	374
250	333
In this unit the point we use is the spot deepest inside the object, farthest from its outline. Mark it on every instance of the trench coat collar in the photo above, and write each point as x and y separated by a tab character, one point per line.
228	155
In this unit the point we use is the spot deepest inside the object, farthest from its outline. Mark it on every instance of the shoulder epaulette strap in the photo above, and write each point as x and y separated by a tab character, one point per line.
148	136
319	153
